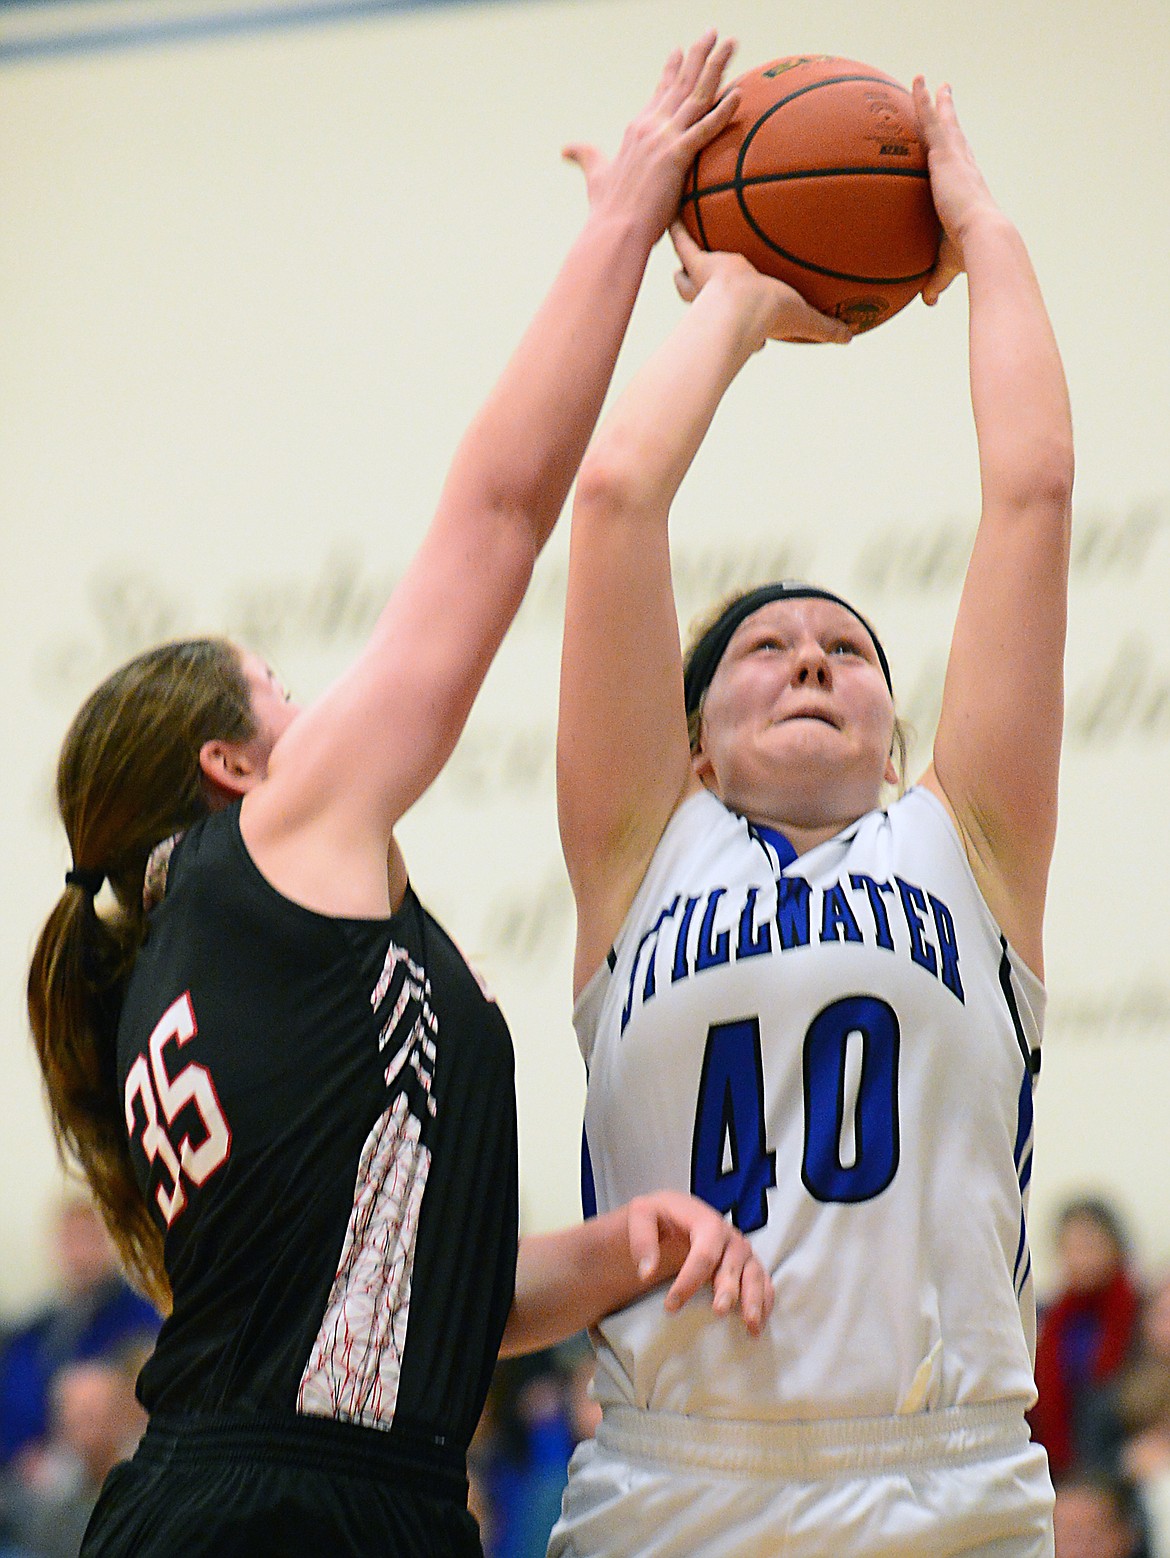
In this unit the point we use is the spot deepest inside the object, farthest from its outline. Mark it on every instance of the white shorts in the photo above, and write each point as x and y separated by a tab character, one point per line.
657	1485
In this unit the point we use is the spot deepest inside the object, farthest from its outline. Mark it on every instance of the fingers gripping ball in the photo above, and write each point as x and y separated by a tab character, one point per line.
820	179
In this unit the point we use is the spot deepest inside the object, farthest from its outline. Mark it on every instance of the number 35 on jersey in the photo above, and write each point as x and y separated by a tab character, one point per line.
155	1098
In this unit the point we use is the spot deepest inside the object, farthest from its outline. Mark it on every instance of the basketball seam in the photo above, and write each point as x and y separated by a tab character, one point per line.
756	179
809	265
843	275
694	178
813	86
829	81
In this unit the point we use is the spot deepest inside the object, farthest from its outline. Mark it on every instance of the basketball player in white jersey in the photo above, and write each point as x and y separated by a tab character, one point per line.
820	1015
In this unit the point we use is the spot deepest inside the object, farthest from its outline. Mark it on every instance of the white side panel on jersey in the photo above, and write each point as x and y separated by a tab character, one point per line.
354	1367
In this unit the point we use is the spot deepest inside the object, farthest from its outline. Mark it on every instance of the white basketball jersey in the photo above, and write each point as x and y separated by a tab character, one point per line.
838	1051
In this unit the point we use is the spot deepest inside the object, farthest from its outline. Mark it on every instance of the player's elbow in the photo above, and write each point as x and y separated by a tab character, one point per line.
613	482
1053	469
1045	470
1037	483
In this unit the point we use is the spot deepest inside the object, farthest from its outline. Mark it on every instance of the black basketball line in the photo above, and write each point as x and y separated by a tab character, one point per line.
694	179
839	275
813	86
693	196
696	198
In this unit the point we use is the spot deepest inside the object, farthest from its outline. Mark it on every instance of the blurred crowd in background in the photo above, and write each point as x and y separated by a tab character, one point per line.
1103	1373
68	1412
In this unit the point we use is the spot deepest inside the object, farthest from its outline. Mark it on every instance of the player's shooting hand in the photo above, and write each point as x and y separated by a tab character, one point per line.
771	309
686	111
672	1234
960	192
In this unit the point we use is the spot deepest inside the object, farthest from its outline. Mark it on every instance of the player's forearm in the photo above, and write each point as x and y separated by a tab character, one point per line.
571	1279
521	453
1018	388
647	444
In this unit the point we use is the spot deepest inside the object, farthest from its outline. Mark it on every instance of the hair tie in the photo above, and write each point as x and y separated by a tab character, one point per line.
88	878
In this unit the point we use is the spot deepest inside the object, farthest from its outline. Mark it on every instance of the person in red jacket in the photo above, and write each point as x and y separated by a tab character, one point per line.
1085	1334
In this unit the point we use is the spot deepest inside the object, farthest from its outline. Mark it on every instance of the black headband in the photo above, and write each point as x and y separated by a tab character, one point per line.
89	879
710	649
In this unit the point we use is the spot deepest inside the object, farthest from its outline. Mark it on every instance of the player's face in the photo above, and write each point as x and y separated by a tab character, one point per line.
272	707
798	721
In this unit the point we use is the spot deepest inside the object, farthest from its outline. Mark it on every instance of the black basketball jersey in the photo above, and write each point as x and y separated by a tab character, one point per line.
321	1114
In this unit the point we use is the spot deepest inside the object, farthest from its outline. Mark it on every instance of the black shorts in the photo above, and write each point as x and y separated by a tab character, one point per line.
249	1488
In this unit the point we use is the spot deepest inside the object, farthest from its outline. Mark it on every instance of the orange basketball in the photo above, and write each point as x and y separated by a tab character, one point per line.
821	180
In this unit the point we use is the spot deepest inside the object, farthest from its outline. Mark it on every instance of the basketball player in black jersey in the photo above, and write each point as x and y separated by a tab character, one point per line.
292	1099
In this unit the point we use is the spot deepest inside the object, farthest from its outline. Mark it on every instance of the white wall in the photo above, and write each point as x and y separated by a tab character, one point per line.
251	289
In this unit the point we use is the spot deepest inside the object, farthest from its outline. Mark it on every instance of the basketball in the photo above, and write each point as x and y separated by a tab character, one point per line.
821	180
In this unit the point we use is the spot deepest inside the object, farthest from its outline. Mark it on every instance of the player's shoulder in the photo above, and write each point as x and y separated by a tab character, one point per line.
917	821
923	821
209	845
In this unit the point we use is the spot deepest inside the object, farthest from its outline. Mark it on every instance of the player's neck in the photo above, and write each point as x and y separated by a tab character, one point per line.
802	835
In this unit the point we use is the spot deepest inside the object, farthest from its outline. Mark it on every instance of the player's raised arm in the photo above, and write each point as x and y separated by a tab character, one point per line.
997	750
623	754
397	713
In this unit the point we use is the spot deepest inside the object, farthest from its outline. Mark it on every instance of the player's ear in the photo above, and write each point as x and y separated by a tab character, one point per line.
701	762
229	769
896	760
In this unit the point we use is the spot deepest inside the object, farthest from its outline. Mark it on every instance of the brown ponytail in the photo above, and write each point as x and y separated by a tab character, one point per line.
127	778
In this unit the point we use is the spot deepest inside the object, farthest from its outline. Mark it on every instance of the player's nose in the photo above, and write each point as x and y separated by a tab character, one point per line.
811	664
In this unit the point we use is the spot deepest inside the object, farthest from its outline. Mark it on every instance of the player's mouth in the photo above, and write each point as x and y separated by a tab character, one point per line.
809	712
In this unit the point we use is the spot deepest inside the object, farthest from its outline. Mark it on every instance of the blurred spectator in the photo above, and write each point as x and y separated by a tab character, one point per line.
1085	1334
537	1411
95	1314
1147	1463
1143	1387
95	1421
1097	1517
1136	1419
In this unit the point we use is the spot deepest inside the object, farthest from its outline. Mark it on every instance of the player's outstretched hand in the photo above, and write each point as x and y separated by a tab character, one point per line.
961	195
672	1234
686	111
771	309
